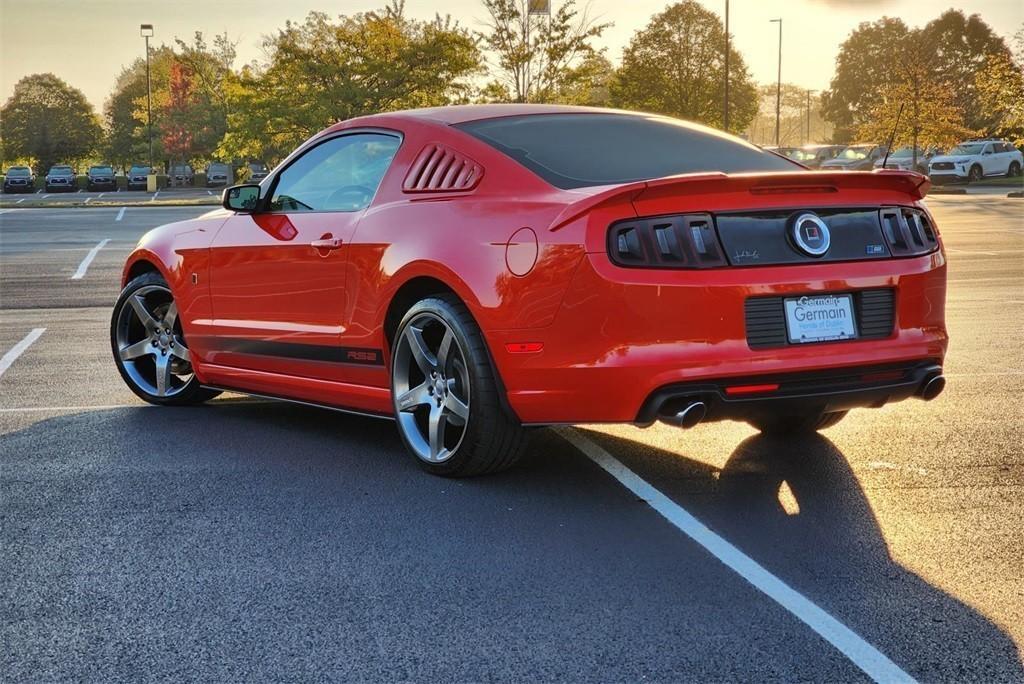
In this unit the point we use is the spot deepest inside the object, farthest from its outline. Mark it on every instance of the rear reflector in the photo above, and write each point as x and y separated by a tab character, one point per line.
751	389
524	347
883	376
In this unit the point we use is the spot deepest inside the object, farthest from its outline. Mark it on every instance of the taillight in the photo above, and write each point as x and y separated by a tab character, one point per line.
909	232
686	241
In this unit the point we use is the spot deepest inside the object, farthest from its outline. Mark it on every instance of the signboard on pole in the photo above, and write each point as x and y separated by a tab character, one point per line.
538	7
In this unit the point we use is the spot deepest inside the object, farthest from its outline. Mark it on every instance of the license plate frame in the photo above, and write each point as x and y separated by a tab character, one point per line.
820	318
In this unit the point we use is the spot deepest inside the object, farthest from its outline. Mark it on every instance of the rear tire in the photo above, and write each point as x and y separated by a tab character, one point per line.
1014	170
445	393
788	425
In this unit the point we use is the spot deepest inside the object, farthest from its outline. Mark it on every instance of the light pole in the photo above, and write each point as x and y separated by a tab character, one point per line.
726	117
146	30
778	86
809	115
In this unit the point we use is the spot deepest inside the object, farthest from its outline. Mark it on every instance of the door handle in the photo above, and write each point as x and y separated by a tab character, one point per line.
326	244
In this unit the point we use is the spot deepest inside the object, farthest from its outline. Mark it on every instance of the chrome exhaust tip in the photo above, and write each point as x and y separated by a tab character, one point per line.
933	387
692	414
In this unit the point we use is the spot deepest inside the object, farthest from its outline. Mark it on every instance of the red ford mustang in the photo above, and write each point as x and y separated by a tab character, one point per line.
473	271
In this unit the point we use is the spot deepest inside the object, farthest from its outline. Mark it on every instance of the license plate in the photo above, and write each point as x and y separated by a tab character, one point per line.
820	318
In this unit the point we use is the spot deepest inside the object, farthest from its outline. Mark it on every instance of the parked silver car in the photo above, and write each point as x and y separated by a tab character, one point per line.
217	174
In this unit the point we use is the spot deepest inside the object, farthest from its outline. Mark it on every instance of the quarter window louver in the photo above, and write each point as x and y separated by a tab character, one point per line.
439	168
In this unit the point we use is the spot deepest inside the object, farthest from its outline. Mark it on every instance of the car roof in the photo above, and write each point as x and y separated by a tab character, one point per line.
459	114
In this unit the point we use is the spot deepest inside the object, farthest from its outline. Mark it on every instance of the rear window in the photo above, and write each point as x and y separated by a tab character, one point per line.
579	150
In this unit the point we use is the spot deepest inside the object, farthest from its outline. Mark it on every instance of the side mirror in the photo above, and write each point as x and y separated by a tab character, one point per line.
241	198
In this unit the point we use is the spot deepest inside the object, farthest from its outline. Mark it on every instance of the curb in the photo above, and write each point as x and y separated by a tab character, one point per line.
947	191
1017	193
105	205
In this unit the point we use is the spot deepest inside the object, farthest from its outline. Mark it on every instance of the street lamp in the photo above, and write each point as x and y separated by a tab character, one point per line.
809	115
726	113
146	31
778	86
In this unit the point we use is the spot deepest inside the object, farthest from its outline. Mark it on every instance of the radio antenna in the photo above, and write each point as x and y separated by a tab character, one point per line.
892	136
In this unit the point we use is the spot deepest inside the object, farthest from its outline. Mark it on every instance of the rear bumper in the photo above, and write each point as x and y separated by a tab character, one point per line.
793	393
622	335
947	175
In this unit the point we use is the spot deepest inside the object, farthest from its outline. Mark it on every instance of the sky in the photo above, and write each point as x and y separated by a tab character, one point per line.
87	43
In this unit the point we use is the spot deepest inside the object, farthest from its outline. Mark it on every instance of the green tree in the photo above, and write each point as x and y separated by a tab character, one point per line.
676	66
209	69
543	57
48	121
125	114
322	71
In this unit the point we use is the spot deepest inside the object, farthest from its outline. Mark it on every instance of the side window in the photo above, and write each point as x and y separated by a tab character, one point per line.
341	174
987	149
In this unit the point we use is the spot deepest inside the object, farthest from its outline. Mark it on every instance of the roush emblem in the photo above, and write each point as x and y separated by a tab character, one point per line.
810	234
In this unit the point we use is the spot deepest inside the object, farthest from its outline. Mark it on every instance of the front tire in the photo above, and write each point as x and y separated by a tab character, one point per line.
791	425
149	345
974	175
445	393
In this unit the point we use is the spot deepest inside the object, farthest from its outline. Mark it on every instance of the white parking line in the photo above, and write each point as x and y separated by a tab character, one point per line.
84	266
18	349
861	653
101	195
155	195
120	214
88	199
209	192
21	200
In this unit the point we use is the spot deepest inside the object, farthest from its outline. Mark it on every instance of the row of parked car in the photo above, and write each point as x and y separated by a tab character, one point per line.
102	177
969	161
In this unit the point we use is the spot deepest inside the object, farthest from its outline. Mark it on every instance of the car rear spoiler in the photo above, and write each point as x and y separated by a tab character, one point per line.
913	185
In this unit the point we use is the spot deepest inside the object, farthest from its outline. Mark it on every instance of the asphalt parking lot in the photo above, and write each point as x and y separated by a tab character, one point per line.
251	540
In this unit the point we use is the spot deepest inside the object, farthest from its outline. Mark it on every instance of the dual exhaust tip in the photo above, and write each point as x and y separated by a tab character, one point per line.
688	417
932	387
695	411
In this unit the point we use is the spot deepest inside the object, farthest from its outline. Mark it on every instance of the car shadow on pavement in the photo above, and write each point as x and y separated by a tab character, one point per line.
264	541
822	538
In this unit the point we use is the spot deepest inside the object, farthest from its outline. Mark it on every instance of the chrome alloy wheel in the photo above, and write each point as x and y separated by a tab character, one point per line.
430	386
150	342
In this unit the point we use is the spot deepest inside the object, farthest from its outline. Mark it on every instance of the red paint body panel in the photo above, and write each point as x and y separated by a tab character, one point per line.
608	336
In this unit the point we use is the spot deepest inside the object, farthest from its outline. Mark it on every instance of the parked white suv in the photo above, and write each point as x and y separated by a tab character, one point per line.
975	159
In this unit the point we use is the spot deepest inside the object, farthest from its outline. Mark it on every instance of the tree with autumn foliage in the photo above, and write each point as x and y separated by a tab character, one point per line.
1000	89
178	115
886	57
